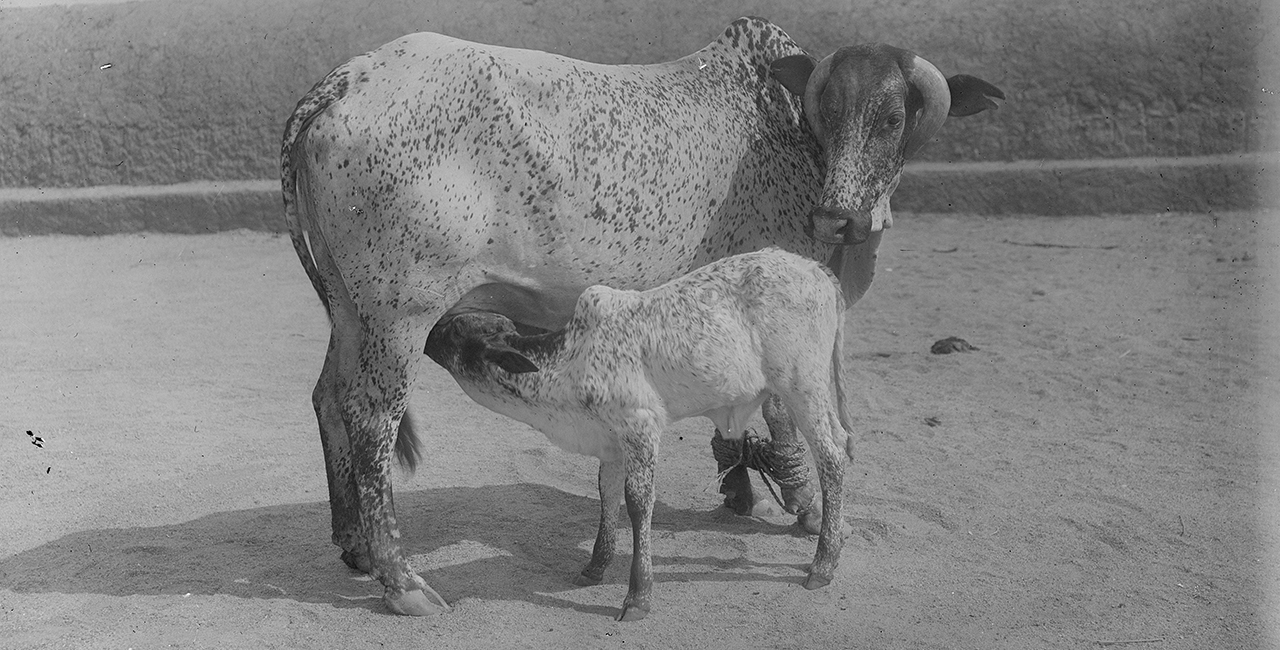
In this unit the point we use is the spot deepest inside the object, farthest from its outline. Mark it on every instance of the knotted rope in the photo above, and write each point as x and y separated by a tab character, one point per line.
782	462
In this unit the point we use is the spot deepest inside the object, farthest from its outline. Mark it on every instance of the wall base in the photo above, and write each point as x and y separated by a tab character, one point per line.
1072	187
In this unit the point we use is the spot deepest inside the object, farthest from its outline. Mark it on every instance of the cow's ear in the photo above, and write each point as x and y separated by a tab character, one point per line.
793	72
971	95
511	361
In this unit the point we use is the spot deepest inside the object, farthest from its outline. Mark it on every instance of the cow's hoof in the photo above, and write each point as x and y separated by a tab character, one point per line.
815	581
800	499
586	580
357	561
633	612
416	603
736	488
810	521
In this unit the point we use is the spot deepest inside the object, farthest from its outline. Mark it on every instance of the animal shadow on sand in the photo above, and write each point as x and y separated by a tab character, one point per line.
507	542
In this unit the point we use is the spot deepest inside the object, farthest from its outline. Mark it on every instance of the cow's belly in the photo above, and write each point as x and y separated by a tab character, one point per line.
530	259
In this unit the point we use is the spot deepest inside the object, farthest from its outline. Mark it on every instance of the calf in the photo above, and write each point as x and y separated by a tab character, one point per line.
715	342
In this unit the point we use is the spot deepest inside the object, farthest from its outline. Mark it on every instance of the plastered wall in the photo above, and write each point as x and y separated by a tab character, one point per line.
168	91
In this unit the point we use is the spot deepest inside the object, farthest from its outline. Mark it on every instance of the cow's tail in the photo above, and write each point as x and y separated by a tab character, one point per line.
298	208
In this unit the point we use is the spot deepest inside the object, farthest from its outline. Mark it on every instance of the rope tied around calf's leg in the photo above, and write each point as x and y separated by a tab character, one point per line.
782	462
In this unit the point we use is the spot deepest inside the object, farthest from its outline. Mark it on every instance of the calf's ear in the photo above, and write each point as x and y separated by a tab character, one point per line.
793	72
510	360
970	95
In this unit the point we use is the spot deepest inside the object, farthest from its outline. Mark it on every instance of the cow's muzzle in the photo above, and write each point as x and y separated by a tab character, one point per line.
835	226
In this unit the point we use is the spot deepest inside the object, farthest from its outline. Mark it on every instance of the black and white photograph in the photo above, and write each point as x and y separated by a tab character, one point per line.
551	324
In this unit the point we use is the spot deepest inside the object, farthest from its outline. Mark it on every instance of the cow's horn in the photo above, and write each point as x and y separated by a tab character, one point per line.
937	101
813	94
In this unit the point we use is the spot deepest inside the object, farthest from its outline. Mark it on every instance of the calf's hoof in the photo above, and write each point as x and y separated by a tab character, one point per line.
585	579
815	581
415	603
633	611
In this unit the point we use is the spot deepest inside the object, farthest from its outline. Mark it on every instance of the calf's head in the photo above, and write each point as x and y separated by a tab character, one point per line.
466	343
871	107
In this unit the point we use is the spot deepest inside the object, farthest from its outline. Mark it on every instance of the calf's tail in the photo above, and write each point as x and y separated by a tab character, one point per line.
837	378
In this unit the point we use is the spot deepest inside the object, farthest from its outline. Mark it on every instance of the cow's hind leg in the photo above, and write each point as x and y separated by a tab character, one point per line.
613	476
343	502
373	394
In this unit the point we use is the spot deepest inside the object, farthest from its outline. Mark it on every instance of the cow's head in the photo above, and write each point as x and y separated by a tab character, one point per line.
871	107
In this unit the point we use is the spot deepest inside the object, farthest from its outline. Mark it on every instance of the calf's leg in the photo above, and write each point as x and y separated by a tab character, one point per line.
612	481
640	442
640	498
817	418
830	459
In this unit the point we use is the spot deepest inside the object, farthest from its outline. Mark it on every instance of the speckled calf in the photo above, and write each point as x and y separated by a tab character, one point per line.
435	175
715	342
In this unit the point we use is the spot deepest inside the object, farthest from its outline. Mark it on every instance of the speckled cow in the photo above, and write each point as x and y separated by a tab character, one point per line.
715	342
435	175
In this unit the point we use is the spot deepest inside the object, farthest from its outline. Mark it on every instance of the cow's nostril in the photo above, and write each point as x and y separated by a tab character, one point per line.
836	226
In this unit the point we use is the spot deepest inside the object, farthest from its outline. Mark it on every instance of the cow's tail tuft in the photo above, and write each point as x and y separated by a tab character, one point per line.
408	445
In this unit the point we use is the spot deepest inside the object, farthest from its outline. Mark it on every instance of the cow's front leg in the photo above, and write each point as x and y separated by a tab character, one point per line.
782	457
798	494
735	485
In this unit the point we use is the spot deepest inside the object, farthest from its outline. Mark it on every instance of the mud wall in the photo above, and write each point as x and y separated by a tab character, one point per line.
200	90
169	91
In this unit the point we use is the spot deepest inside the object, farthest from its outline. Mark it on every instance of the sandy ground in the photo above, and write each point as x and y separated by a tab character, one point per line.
1095	472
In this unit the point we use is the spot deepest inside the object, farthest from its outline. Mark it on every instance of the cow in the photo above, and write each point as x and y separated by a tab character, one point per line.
434	175
715	342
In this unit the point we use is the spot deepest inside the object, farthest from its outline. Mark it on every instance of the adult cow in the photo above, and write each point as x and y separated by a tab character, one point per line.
434	174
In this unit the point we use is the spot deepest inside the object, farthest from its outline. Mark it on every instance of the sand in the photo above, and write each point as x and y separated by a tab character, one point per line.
1096	471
